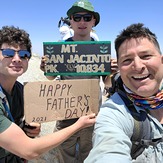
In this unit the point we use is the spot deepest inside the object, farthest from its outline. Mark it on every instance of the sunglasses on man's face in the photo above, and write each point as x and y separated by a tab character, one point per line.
86	17
23	54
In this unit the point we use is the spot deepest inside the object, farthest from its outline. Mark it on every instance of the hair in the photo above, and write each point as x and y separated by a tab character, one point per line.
15	36
136	31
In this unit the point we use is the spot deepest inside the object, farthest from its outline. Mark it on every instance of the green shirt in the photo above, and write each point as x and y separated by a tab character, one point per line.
4	121
16	105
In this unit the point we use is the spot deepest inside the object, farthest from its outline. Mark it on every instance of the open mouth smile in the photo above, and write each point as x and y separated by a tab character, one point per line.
140	77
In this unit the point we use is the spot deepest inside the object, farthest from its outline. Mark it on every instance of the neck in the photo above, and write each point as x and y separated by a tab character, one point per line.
158	114
7	83
81	38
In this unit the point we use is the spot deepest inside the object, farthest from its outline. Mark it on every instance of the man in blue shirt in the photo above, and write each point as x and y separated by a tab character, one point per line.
140	64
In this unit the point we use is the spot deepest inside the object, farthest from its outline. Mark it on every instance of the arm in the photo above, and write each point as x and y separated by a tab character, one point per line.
114	69
108	79
111	138
13	138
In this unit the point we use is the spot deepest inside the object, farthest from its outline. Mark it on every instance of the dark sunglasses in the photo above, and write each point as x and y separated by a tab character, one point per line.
86	17
23	54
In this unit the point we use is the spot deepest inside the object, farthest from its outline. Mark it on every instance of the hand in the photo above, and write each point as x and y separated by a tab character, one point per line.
43	64
114	69
32	129
114	66
86	121
42	67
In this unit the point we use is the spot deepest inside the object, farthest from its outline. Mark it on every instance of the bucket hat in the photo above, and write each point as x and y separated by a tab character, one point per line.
83	6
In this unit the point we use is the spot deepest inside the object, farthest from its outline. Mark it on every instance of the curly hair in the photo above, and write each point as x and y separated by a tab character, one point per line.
15	36
136	31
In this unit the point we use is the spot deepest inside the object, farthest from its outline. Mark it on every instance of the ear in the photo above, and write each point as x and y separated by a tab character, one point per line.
162	58
94	20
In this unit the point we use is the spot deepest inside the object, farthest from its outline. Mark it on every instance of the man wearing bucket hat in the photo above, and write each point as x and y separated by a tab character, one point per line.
82	18
83	6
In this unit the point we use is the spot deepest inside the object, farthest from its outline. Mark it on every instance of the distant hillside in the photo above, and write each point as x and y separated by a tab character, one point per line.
33	73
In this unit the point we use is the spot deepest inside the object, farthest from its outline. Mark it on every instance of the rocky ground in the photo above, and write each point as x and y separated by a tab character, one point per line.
35	74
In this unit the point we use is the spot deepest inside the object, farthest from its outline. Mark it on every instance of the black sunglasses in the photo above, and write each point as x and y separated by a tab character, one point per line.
86	17
23	54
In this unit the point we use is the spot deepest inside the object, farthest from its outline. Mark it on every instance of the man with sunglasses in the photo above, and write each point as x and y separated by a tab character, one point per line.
66	31
82	19
15	52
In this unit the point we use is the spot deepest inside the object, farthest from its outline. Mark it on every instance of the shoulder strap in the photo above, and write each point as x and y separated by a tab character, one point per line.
141	138
142	127
5	104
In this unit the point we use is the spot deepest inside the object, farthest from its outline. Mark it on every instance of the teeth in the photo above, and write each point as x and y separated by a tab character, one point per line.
140	77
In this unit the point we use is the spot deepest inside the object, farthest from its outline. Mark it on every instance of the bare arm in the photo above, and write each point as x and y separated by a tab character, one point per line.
14	139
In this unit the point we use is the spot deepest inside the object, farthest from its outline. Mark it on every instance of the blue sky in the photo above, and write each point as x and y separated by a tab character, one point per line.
40	18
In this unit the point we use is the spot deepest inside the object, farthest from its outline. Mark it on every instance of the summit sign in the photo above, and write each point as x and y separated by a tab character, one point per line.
77	58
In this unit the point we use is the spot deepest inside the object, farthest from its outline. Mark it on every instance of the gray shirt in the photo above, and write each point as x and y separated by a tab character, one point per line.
113	130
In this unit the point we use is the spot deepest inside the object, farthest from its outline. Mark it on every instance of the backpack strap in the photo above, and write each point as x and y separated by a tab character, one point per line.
142	128
5	104
141	134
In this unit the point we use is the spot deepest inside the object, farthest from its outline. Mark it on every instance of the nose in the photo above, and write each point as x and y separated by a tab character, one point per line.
82	20
138	64
16	57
